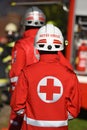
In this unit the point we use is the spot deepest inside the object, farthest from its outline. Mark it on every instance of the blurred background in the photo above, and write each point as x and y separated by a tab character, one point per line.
71	17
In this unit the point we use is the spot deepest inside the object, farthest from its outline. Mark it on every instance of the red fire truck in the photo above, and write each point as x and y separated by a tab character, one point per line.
76	51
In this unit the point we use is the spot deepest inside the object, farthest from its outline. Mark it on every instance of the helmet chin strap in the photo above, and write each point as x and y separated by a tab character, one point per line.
48	52
31	27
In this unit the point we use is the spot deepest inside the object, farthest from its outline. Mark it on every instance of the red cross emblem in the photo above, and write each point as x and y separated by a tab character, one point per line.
50	89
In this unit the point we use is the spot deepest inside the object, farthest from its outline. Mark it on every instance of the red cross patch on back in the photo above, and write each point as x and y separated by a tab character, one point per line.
50	89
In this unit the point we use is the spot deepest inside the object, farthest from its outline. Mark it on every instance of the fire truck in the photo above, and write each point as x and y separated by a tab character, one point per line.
76	51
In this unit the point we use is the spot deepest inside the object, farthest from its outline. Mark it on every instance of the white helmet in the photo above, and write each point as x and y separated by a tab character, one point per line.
49	38
34	17
10	28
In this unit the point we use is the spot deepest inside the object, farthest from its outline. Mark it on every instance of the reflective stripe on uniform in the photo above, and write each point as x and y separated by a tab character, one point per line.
6	59
13	88
4	82
45	123
70	116
14	79
21	111
11	44
1	50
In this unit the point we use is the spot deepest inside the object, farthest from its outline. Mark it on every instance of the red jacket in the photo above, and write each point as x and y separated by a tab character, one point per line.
23	54
48	94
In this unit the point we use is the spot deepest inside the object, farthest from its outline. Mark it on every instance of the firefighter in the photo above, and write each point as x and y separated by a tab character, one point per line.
23	53
6	45
47	92
3	77
10	31
3	54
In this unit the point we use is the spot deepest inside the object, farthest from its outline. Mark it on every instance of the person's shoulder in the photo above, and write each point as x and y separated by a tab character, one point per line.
71	73
21	42
31	66
66	69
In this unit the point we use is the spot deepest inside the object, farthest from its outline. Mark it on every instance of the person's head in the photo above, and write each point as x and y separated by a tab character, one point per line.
49	38
10	31
34	18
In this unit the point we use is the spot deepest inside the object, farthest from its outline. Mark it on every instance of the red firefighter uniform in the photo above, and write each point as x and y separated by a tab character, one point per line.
23	54
48	94
24	50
